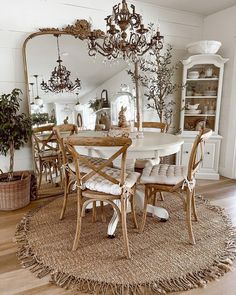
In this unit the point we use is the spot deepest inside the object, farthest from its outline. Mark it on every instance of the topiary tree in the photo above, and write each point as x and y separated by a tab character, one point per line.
15	128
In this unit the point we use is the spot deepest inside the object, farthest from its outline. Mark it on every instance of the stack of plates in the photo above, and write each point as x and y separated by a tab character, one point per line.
210	93
192	111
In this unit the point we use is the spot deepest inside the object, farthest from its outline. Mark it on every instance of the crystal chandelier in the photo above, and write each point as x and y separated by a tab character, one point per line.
126	36
60	78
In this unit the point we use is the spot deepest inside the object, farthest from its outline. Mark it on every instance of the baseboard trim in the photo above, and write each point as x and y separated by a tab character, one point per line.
210	176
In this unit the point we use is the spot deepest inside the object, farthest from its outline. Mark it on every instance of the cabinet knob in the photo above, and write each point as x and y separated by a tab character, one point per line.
186	152
208	153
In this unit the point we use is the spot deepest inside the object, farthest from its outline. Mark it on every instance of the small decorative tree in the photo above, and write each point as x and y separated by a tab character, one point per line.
95	104
15	128
157	78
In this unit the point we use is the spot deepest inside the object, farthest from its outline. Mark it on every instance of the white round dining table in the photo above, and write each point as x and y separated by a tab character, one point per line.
150	145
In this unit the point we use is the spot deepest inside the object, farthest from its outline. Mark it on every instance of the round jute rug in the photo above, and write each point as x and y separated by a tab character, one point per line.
162	259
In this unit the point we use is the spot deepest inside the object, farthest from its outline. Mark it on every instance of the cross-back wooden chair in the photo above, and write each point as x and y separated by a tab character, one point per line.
46	152
141	163
66	159
176	179
68	167
103	183
156	125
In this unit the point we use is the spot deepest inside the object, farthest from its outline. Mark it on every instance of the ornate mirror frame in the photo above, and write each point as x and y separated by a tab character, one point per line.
81	29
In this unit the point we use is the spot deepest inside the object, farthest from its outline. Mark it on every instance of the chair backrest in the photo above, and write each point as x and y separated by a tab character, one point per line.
196	159
42	138
156	125
121	143
64	128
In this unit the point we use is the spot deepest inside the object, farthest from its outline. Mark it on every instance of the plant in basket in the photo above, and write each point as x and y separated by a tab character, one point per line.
15	131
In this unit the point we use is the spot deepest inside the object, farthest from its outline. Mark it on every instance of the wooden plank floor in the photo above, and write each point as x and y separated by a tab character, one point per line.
15	280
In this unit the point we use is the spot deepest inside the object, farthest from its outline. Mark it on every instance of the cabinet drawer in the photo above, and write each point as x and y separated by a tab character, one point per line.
209	156
186	151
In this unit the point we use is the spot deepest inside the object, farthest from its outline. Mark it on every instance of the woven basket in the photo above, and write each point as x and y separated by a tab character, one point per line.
15	194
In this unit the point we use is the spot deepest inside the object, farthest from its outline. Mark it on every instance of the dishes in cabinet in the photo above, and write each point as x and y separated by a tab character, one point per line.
192	112
211	112
209	93
197	94
193	75
192	106
209	72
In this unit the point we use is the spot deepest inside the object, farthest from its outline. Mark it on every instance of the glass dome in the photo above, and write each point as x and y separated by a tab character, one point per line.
123	99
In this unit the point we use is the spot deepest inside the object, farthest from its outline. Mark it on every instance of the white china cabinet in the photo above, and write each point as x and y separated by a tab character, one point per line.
200	106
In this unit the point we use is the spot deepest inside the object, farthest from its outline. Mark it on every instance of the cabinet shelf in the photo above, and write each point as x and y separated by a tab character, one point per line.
203	96
199	115
203	79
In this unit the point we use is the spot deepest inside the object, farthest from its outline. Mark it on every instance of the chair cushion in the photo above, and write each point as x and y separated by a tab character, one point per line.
142	163
100	184
163	174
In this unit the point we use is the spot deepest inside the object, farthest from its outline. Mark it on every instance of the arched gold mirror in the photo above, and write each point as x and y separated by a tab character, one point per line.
96	78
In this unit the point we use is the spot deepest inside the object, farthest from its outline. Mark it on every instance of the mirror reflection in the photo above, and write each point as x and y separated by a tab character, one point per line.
94	87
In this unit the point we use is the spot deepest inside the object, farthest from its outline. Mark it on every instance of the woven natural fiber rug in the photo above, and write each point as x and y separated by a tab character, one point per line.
162	260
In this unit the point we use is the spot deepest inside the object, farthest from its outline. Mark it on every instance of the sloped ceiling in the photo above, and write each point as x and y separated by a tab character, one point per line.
41	53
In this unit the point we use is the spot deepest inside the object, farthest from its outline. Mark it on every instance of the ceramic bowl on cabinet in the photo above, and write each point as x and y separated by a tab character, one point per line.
192	106
204	47
193	75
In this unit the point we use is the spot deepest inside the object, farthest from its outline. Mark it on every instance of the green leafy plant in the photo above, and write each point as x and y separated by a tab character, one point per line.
95	104
41	118
15	127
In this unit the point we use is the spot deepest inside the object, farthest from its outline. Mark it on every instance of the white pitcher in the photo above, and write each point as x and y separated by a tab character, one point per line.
209	72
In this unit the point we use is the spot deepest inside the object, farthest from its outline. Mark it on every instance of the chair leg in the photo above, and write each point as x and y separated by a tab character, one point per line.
40	174
79	221
146	197
66	188
194	206
162	196
102	211
94	212
133	210
49	171
124	226
189	217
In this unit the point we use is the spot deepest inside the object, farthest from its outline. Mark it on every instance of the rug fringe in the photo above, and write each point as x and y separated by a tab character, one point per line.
221	265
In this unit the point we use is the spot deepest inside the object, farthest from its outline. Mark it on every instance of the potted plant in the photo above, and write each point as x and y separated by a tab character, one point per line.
95	104
15	130
156	77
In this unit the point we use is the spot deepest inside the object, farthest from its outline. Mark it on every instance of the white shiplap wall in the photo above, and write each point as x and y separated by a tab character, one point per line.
19	18
221	26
